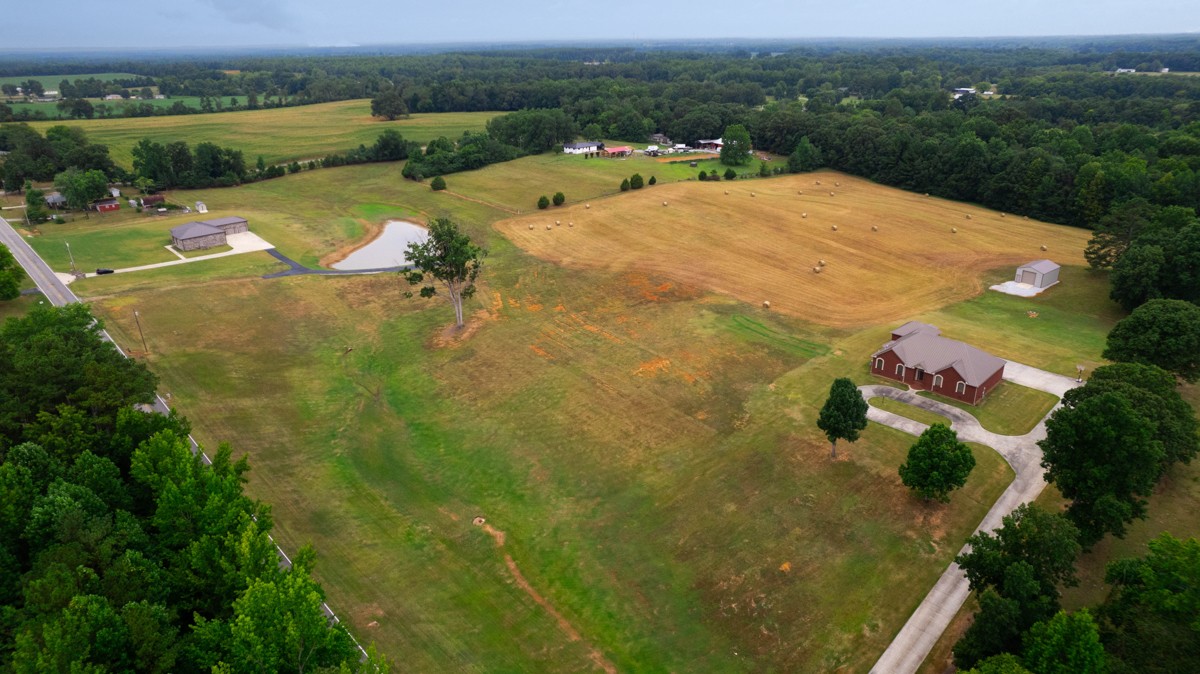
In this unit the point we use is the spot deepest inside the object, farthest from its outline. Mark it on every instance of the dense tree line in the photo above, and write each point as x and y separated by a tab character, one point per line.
178	165
119	549
32	156
1105	449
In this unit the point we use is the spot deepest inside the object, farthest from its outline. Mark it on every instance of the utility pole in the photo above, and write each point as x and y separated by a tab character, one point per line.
72	256
137	319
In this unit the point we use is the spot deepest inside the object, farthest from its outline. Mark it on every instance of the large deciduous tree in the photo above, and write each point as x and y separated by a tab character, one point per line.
806	157
937	464
389	105
10	275
1153	393
1068	643
1017	572
1103	456
80	188
447	258
735	150
844	414
1160	332
1151	619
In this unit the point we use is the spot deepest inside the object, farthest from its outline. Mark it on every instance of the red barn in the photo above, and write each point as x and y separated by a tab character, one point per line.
918	356
107	205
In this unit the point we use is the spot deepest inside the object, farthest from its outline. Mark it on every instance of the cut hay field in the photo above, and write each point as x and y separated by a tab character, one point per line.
642	447
750	240
278	134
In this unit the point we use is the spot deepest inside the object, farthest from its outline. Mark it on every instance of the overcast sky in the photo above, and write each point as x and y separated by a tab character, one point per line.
198	23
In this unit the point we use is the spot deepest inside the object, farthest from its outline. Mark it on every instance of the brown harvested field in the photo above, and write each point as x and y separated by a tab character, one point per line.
754	244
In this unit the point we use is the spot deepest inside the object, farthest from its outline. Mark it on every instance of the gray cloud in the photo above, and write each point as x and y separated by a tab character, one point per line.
266	13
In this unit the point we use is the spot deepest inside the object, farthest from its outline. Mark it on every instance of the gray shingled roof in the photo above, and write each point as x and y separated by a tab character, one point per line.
933	353
227	220
915	326
1040	266
194	230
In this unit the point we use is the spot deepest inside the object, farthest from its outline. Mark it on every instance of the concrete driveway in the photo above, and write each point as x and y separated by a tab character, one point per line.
916	639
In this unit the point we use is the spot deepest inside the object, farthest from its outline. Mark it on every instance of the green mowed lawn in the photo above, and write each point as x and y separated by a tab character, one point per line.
118	240
279	134
1011	409
647	450
516	185
908	411
1072	322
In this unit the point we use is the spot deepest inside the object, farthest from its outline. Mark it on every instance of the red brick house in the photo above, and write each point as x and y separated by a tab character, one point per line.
920	357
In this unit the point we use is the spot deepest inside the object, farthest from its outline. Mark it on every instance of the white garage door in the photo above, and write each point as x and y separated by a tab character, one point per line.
1028	276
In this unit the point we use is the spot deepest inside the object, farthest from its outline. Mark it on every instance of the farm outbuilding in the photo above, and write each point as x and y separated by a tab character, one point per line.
196	236
230	224
585	147
107	205
1039	273
207	233
919	356
55	200
152	199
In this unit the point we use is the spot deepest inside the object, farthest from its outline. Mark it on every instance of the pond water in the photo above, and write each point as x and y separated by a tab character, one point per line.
387	249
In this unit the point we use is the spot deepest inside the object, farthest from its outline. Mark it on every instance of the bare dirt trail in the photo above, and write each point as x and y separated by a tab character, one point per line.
572	634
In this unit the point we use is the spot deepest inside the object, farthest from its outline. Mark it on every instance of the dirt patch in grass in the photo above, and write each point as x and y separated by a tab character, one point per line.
763	248
452	335
371	231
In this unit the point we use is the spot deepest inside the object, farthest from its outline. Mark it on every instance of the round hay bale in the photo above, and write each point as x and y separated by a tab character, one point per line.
1026	217
831	194
531	225
968	216
548	228
874	228
800	192
726	191
820	263
816	270
835	228
478	521
954	230
751	194
664	203
837	184
1043	247
587	205
557	222
804	215
818	182
766	304
926	194
571	224
1004	215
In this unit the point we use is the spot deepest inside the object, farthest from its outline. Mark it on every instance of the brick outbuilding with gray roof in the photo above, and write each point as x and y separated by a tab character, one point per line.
920	357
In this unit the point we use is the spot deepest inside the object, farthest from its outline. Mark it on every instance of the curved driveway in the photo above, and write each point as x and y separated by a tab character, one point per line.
918	636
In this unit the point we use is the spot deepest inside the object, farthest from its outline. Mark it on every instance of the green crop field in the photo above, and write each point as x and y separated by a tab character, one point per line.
278	134
51	82
642	449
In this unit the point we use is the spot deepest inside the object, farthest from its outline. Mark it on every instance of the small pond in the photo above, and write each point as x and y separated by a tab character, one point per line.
387	249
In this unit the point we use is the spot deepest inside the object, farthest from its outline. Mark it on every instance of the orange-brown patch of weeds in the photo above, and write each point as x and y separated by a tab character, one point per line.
653	367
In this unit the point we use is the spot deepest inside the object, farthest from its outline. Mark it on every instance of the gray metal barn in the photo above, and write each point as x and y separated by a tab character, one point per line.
1039	273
